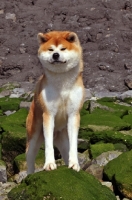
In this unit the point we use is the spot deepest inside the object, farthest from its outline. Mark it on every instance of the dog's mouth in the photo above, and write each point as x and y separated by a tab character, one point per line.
57	62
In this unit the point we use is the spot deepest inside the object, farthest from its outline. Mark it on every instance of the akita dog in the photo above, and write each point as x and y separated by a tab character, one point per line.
54	115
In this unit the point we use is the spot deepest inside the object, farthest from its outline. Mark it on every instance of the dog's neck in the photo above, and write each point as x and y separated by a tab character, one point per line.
62	80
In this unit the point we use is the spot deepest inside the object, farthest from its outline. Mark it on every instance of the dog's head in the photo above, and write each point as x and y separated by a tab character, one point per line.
59	51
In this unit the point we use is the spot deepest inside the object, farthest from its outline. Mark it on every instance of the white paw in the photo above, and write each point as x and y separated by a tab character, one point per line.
49	166
74	166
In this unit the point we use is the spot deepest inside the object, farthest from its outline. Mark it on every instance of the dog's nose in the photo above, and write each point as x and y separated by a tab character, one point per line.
56	56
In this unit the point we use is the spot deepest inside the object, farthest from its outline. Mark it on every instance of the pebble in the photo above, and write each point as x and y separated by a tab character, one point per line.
11	16
8	112
108	184
1	12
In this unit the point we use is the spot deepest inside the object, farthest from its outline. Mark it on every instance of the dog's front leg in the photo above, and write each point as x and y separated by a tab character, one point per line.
48	127
73	126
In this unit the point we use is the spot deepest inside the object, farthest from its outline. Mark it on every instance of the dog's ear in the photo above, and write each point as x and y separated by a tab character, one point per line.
72	37
42	38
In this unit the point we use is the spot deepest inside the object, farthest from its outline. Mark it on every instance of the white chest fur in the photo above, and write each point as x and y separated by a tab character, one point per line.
61	96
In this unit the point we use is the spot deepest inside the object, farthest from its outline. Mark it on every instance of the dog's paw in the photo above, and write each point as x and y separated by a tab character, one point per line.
49	166
74	166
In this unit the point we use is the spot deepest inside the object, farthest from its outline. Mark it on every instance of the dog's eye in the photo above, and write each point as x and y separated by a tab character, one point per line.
63	49
51	50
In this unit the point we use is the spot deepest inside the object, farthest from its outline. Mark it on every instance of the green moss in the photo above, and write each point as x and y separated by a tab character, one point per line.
7	103
21	165
85	108
62	183
115	108
128	119
1	113
2	163
14	136
128	100
107	99
97	149
14	139
18	118
106	137
119	171
0	150
106	120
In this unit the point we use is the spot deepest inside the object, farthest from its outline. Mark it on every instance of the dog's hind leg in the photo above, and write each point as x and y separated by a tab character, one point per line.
61	141
32	149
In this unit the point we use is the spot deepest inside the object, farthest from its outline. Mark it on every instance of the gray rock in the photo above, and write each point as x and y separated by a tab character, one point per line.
19	177
3	175
105	157
127	94
11	16
7	113
24	104
5	93
5	189
94	104
102	94
88	94
17	92
83	158
96	171
1	11
108	184
1	96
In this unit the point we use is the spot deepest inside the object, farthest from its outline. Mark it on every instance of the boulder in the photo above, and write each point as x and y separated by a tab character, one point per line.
62	183
13	136
119	171
99	148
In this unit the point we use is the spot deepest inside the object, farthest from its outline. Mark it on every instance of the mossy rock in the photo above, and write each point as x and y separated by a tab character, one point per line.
115	108
62	183
106	137
9	86
96	122
128	100
18	118
99	148
0	151
21	164
2	163
1	113
7	103
14	135
85	108
14	140
119	171
128	119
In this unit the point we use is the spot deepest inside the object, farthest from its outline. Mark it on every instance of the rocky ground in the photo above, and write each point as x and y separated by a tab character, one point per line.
104	146
103	26
105	31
